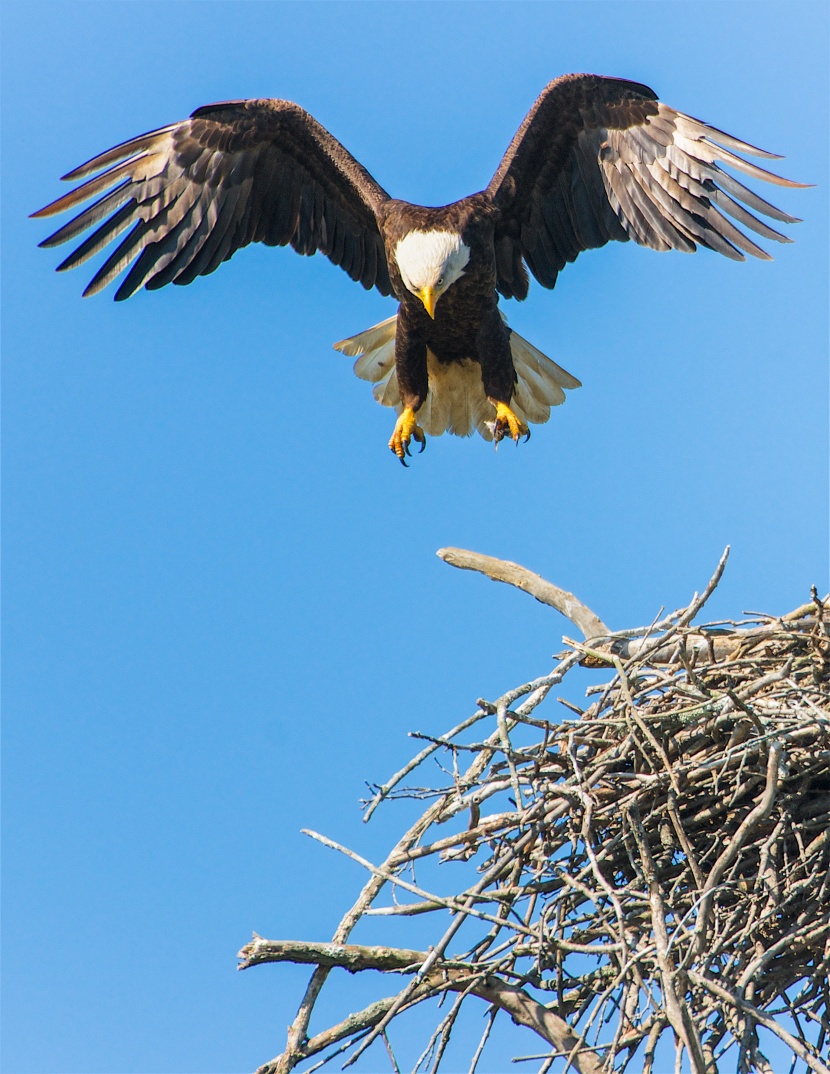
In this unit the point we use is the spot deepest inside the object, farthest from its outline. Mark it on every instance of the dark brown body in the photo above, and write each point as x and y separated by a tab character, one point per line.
467	322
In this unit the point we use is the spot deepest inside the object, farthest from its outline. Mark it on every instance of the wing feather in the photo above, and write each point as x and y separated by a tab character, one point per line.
111	229
203	218
118	260
669	202
165	260
172	226
587	182
728	205
130	148
601	158
192	193
212	251
109	203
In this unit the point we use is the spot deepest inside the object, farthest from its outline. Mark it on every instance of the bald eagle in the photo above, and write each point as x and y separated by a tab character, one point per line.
595	159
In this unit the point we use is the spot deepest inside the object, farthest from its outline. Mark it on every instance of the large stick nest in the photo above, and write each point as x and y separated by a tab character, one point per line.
652	873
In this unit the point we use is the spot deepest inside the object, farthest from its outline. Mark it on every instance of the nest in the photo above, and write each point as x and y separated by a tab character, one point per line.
650	875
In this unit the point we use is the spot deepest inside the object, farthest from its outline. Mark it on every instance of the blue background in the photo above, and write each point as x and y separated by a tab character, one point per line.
223	611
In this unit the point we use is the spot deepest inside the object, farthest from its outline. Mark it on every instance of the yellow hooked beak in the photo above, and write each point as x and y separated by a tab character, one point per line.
428	296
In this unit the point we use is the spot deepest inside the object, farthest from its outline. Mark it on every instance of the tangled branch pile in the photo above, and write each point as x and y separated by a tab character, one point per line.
656	869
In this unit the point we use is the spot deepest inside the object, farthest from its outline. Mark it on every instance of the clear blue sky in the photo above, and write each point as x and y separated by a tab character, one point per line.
223	610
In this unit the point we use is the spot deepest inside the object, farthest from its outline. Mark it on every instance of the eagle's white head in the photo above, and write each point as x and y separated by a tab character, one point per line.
429	262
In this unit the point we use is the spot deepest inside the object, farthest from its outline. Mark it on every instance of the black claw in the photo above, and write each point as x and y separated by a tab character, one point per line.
528	435
423	445
406	448
404	463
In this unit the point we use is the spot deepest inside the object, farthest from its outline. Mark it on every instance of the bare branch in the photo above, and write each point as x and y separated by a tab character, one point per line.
502	570
351	957
522	1008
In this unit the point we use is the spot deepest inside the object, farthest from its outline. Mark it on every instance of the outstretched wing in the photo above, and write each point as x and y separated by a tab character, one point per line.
193	193
601	158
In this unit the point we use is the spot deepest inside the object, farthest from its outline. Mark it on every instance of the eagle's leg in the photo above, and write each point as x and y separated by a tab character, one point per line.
498	376
413	385
406	430
507	423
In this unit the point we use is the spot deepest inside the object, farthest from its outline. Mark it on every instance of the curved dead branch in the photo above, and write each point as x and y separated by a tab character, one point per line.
502	570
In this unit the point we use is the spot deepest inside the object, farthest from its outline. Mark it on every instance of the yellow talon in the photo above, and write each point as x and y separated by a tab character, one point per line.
507	423
406	429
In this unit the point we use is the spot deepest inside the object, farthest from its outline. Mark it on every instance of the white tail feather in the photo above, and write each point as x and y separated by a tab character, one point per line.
456	402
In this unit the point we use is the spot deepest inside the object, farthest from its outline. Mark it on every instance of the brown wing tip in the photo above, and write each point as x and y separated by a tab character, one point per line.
47	210
94	287
779	181
76	173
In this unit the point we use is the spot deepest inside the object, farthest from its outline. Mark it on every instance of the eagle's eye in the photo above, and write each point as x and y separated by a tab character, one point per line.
440	281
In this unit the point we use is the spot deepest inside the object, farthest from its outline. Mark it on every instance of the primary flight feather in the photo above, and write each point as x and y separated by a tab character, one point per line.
595	159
